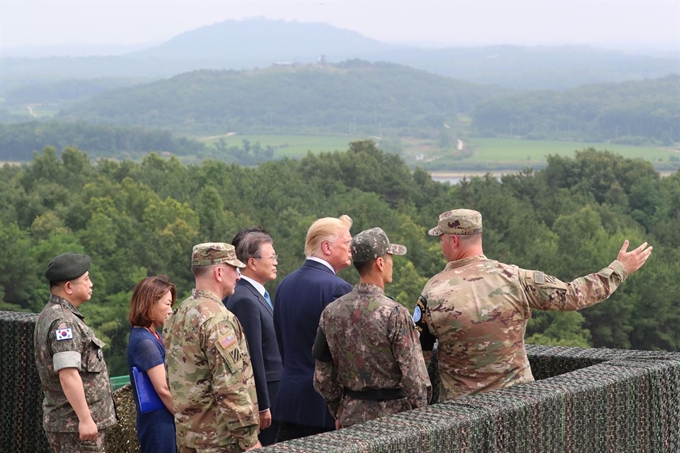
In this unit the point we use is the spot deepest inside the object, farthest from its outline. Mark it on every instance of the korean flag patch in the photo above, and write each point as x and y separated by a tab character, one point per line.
64	334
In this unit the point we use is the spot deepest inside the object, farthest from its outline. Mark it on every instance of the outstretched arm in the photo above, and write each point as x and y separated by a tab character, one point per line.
546	292
633	260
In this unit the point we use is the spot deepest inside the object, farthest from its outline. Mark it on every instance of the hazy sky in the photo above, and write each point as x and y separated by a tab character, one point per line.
633	23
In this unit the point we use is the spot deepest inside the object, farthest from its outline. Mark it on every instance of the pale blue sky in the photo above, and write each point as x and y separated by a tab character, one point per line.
604	23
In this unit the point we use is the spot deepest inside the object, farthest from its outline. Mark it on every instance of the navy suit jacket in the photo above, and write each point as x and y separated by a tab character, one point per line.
300	299
256	317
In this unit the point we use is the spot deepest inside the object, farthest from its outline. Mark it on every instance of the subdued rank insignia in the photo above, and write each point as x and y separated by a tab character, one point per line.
64	334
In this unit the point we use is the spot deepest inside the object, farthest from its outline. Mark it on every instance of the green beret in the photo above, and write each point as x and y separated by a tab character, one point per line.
66	267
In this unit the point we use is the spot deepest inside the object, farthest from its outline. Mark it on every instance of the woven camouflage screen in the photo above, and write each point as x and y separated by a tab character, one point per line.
585	400
20	392
588	400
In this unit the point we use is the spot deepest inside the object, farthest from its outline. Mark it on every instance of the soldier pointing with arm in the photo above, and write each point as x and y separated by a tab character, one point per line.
478	308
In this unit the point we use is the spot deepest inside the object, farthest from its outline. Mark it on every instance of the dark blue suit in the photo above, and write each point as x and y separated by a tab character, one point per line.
300	299
256	317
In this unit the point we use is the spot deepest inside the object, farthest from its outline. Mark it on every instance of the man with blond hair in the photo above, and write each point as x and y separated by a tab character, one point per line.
300	299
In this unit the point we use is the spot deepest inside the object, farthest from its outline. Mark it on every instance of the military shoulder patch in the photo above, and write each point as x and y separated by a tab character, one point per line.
64	334
235	355
228	348
540	278
417	314
418	311
227	341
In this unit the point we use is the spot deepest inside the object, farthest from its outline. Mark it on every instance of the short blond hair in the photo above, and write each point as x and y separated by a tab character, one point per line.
325	229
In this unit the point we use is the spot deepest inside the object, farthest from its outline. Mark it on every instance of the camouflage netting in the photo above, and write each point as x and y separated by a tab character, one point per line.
586	400
20	393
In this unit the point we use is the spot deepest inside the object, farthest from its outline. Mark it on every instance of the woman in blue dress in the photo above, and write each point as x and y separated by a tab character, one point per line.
151	304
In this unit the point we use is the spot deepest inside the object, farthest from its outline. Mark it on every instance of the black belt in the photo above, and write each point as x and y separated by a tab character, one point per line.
376	394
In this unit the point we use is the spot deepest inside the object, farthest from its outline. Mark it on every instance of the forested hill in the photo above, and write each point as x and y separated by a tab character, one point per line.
351	97
137	219
628	112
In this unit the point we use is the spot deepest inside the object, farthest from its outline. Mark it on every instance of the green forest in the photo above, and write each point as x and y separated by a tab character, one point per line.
351	97
632	112
137	219
380	99
19	141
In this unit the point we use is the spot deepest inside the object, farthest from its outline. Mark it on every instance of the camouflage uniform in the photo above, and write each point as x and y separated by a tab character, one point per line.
63	340
478	310
209	375
374	345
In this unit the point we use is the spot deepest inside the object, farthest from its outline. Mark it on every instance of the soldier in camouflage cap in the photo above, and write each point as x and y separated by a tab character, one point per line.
478	308
211	253
78	407
209	371
371	244
458	221
368	359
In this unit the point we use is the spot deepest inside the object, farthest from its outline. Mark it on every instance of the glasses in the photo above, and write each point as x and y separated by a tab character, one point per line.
272	258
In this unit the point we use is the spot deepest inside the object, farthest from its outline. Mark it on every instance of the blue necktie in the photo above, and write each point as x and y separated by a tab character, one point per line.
269	299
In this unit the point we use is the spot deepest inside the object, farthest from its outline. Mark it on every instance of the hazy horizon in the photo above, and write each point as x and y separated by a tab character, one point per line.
104	27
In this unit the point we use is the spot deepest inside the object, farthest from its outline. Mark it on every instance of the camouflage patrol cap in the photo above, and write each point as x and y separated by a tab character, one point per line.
66	267
371	244
458	221
210	253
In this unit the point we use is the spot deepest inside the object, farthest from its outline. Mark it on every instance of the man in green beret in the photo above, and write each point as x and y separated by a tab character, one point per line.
478	308
78	407
368	358
209	370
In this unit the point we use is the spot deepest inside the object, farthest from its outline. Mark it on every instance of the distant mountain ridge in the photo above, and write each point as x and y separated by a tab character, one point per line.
280	40
261	43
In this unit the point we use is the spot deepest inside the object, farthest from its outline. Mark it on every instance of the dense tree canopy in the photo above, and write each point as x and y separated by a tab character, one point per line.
137	219
629	112
350	97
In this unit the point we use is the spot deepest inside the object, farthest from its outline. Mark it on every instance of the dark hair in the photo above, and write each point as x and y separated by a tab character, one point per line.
248	242
146	293
239	236
363	267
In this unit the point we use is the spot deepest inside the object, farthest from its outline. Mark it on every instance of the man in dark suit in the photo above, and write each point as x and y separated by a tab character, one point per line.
300	299
252	306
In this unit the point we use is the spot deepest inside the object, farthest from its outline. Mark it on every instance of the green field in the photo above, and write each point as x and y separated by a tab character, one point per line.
515	150
289	145
491	150
492	154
